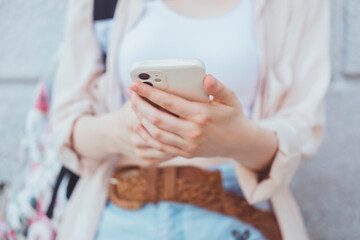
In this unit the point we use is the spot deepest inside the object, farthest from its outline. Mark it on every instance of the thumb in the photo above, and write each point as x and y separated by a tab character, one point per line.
219	91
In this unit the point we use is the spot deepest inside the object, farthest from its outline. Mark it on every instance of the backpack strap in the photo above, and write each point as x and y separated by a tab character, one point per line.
104	9
73	178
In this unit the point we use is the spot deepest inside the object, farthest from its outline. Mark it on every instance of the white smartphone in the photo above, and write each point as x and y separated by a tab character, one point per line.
179	76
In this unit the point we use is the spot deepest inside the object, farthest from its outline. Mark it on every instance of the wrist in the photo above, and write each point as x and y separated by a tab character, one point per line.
266	147
259	146
108	133
92	136
242	147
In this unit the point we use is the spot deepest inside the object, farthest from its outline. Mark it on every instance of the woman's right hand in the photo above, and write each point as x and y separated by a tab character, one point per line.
114	133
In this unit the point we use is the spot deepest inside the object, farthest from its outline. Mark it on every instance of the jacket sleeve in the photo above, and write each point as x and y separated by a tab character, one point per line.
79	69
299	119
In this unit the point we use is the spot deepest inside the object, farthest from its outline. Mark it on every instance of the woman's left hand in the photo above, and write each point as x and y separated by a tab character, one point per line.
217	128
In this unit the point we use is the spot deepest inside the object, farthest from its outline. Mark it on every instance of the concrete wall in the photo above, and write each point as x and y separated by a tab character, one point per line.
325	187
31	31
351	45
345	37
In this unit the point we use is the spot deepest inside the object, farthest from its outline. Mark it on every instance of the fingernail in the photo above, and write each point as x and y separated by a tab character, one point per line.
213	81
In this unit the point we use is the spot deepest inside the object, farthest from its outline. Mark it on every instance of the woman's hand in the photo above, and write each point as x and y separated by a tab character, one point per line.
217	128
114	133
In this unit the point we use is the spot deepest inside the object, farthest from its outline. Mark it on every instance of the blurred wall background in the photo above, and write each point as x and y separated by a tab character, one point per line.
30	35
325	187
31	32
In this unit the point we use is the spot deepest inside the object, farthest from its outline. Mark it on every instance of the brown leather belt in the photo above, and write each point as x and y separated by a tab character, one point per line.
131	187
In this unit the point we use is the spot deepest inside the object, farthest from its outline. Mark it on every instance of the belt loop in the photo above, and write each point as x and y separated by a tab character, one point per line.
151	177
169	182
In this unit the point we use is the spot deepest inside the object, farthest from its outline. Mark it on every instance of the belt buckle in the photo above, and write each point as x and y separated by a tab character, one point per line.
126	188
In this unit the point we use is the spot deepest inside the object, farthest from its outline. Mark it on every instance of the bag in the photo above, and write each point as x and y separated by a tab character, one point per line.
36	201
30	195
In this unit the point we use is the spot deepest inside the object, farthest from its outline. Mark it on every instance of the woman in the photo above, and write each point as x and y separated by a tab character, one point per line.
268	68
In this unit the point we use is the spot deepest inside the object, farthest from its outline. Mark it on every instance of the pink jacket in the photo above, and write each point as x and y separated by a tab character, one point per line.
293	38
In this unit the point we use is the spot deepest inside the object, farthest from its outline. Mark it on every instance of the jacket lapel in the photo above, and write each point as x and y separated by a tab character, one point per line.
259	27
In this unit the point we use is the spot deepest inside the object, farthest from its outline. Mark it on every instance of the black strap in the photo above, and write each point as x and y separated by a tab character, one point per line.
73	178
60	177
72	183
104	9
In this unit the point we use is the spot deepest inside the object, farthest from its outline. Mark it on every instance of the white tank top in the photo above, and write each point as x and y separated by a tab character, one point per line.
226	44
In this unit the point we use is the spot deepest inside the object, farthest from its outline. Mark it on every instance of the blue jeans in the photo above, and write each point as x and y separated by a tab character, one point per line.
176	221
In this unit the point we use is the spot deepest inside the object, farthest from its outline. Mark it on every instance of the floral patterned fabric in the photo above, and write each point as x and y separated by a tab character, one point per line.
30	195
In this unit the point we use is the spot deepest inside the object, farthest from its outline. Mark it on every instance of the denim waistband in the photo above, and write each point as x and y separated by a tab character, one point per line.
228	176
231	183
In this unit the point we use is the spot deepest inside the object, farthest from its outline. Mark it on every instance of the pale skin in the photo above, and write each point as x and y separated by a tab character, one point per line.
144	133
217	128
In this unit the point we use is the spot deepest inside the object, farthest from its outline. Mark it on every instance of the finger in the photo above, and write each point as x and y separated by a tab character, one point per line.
151	154
170	102
153	162
131	119
159	118
219	91
144	134
163	136
137	141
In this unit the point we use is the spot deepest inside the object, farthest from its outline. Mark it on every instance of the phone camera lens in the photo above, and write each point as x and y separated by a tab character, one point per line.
144	76
149	83
157	80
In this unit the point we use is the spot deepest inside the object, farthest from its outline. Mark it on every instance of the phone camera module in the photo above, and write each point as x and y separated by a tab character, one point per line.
144	76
